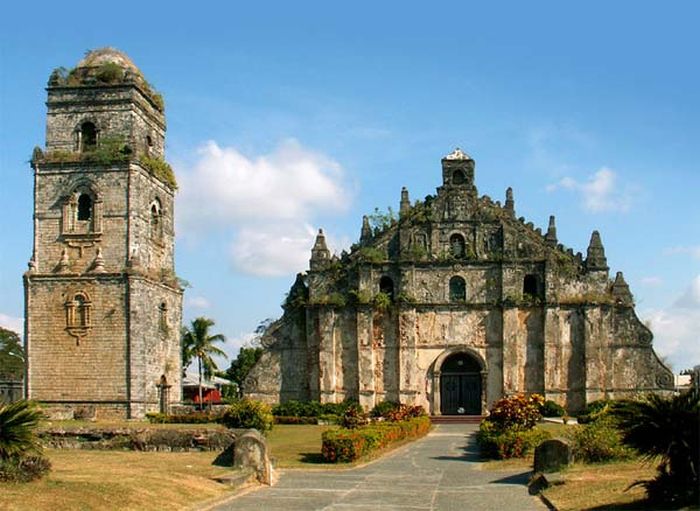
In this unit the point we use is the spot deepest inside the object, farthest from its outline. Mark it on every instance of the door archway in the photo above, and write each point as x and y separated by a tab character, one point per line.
459	378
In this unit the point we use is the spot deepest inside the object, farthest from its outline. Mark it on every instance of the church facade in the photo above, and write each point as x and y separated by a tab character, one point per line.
102	304
453	305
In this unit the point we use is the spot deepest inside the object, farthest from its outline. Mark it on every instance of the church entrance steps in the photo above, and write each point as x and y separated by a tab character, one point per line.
457	419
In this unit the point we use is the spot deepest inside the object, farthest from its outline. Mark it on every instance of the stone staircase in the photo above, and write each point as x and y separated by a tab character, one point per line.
456	419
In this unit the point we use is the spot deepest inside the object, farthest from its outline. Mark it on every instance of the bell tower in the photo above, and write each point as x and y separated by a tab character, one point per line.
103	305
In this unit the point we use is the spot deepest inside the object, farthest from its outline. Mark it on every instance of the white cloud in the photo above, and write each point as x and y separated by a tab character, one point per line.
693	251
652	281
268	201
601	192
12	323
197	302
677	328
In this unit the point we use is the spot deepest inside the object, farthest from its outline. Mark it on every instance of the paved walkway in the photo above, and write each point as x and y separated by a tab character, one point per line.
439	472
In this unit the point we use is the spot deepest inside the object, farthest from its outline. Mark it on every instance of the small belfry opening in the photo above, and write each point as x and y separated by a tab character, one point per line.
457	246
386	286
156	220
458	289
531	286
84	207
458	178
88	136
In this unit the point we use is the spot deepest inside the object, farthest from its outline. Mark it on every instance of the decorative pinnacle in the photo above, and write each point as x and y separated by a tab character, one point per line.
621	291
510	203
551	236
405	205
595	259
366	232
99	264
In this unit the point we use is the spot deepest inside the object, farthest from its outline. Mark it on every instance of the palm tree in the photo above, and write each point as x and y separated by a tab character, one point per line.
198	343
17	423
667	429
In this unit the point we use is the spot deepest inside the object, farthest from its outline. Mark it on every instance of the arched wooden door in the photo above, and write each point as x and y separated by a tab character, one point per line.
460	386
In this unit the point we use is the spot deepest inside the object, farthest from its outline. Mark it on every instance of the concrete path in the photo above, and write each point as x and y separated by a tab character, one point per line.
439	472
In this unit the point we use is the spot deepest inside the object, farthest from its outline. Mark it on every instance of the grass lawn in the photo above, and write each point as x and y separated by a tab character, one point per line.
601	486
88	479
298	446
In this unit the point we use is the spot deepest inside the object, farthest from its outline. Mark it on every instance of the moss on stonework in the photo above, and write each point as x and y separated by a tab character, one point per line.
161	169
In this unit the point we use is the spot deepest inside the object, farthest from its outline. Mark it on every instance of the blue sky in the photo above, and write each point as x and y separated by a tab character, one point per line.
285	117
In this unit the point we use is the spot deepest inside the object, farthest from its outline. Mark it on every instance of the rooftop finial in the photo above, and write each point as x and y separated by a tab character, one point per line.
366	233
405	205
621	291
510	203
320	255
551	236
595	259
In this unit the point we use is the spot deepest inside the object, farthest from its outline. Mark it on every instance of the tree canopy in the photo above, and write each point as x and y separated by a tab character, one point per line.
11	355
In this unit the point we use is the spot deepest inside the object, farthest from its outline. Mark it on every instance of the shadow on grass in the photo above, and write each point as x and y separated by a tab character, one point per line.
629	506
313	458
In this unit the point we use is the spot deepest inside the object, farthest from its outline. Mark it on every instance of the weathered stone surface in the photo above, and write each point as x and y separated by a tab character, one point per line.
553	455
250	450
102	305
457	276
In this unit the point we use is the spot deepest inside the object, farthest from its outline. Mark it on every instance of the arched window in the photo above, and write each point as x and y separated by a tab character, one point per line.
156	220
458	289
531	286
88	136
458	178
84	207
386	286
457	246
78	312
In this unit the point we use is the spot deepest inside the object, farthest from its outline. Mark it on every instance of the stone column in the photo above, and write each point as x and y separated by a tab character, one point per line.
410	380
326	356
365	358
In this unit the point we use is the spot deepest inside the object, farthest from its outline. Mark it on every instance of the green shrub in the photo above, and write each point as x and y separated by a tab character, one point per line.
22	469
666	430
598	441
596	410
552	409
345	445
382	408
18	422
354	417
517	412
498	443
247	413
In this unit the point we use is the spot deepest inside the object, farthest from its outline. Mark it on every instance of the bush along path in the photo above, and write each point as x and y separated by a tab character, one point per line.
437	472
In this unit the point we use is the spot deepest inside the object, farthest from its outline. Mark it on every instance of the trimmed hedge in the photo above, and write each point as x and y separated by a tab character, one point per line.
345	445
295	420
598	441
498	443
185	418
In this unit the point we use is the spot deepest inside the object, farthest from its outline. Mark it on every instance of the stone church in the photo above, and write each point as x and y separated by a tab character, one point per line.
102	304
453	305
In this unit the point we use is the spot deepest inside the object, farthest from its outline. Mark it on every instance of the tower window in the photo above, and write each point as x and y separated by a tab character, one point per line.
84	207
78	311
458	289
458	178
88	136
163	317
531	286
149	144
156	220
386	286
457	246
